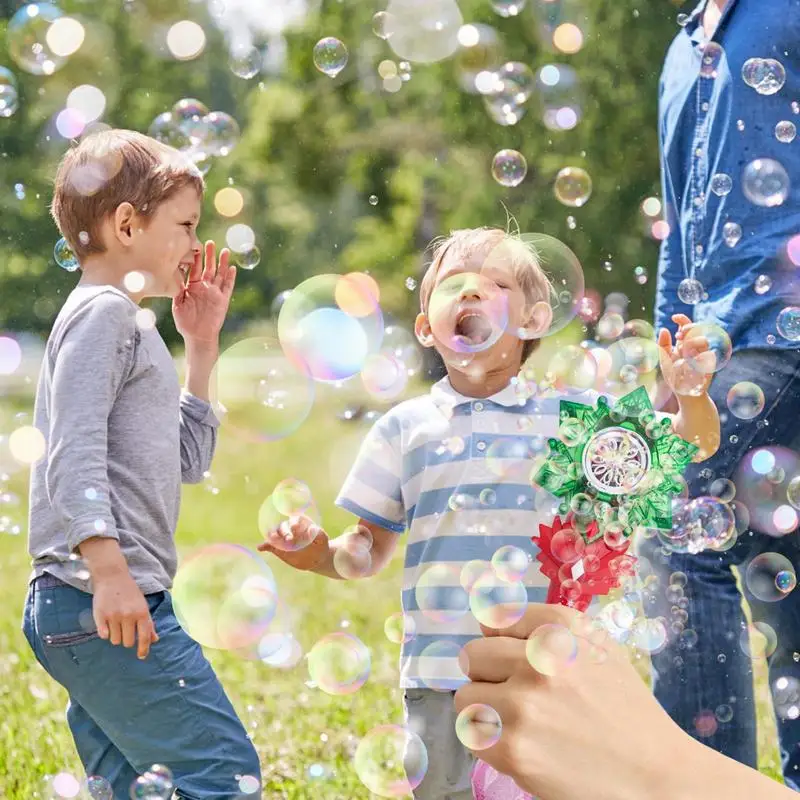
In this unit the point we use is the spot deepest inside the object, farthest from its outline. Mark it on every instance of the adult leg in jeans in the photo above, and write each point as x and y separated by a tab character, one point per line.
716	670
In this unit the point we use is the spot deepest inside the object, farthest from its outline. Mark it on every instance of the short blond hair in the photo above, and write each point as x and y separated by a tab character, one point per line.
109	168
519	254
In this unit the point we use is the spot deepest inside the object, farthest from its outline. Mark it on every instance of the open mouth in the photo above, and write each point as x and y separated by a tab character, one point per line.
473	327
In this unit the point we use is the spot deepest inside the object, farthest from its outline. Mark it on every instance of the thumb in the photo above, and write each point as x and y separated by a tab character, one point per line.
102	626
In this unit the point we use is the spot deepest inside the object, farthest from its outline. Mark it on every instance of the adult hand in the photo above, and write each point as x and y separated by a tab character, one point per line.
588	728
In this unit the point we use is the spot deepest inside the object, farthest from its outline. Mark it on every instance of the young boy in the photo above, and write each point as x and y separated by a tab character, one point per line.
121	436
453	467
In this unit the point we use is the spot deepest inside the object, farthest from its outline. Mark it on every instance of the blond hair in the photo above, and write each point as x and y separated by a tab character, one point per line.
520	255
109	168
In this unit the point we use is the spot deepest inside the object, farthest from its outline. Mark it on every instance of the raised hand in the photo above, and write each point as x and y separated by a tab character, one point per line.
200	309
688	366
298	542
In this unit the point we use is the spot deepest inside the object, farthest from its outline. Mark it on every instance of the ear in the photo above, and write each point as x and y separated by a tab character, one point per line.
538	321
124	223
422	328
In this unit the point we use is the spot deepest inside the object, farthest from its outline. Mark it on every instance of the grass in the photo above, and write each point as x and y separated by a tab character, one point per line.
294	726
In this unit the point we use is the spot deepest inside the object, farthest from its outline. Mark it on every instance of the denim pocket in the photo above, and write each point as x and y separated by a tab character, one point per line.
69	639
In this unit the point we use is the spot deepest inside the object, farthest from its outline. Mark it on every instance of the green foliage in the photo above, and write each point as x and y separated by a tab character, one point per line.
314	149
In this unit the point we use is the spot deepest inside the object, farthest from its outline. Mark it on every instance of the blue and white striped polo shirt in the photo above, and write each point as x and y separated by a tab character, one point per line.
454	471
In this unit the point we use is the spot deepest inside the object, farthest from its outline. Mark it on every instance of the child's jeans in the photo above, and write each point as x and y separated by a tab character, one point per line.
432	716
127	714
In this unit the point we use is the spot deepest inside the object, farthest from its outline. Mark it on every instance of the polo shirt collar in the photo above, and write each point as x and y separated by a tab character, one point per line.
443	392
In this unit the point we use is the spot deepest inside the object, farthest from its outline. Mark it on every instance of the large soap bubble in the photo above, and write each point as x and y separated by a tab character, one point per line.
423	31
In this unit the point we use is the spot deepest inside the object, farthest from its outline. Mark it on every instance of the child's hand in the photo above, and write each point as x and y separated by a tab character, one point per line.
200	309
122	615
688	367
298	542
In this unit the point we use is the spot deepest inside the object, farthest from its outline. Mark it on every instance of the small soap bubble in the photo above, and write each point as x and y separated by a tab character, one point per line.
690	291
788	323
785	131
64	256
640	275
381	26
765	183
245	62
508	8
745	400
731	233
330	56
550	649
339	663
721	184
373	199
98	788
32	41
249	259
509	168
712	56
770	577
9	95
573	187
411	284
762	284
391	761
478	726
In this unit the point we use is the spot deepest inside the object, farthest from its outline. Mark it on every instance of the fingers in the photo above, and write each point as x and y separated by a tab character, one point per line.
114	631
495	695
101	623
665	339
197	268
535	615
681	320
145	634
223	269
129	632
210	268
492	660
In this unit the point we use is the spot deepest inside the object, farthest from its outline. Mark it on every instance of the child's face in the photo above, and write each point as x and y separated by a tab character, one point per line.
475	313
165	243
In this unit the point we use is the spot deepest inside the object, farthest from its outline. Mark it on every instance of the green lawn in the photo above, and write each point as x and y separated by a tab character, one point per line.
294	727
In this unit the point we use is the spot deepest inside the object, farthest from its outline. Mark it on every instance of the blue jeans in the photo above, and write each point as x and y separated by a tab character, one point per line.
127	714
715	670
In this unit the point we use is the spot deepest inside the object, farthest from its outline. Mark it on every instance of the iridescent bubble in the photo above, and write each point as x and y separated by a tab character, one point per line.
402	345
339	663
712	56
758	641
383	376
573	187
690	291
190	117
785	131
478	726
164	129
510	563
788	323
330	56
793	491
514	83
245	61
745	400
509	168
222	133
400	628
723	489
478	59
497	603
440	595
330	324
718	344
765	183
291	497
98	788
391	761
155	784
752	71
423	31
225	596
551	649
731	233
30	42
721	184
762	284
380	25
65	257
508	8
766	75
648	635
765	572
9	94
567	546
572	369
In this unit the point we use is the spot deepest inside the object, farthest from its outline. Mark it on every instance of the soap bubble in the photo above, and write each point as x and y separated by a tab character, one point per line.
573	187
718	343
745	400
731	233
384	376
765	183
762	284
222	133
330	56
721	184
509	168
770	577
248	259
439	594
156	784
785	131
478	59
514	83
508	8
291	497
788	323
65	257
510	563
190	117
329	324
572	369
403	346
339	663
9	94
712	57
690	291
30	43
559	91
758	641
504	112
98	788
478	726
245	61
391	761
225	596
551	649
381	25
786	696
423	31
400	628
497	603
263	396
766	75
164	128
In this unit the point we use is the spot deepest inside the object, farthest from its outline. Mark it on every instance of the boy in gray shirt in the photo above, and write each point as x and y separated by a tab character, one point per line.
104	501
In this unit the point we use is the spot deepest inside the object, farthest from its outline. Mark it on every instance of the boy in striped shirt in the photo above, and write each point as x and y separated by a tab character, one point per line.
452	467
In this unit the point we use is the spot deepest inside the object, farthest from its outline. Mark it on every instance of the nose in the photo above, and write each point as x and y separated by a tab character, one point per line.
471	288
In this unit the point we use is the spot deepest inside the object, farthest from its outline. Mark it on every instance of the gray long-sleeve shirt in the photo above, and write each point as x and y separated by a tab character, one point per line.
121	436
